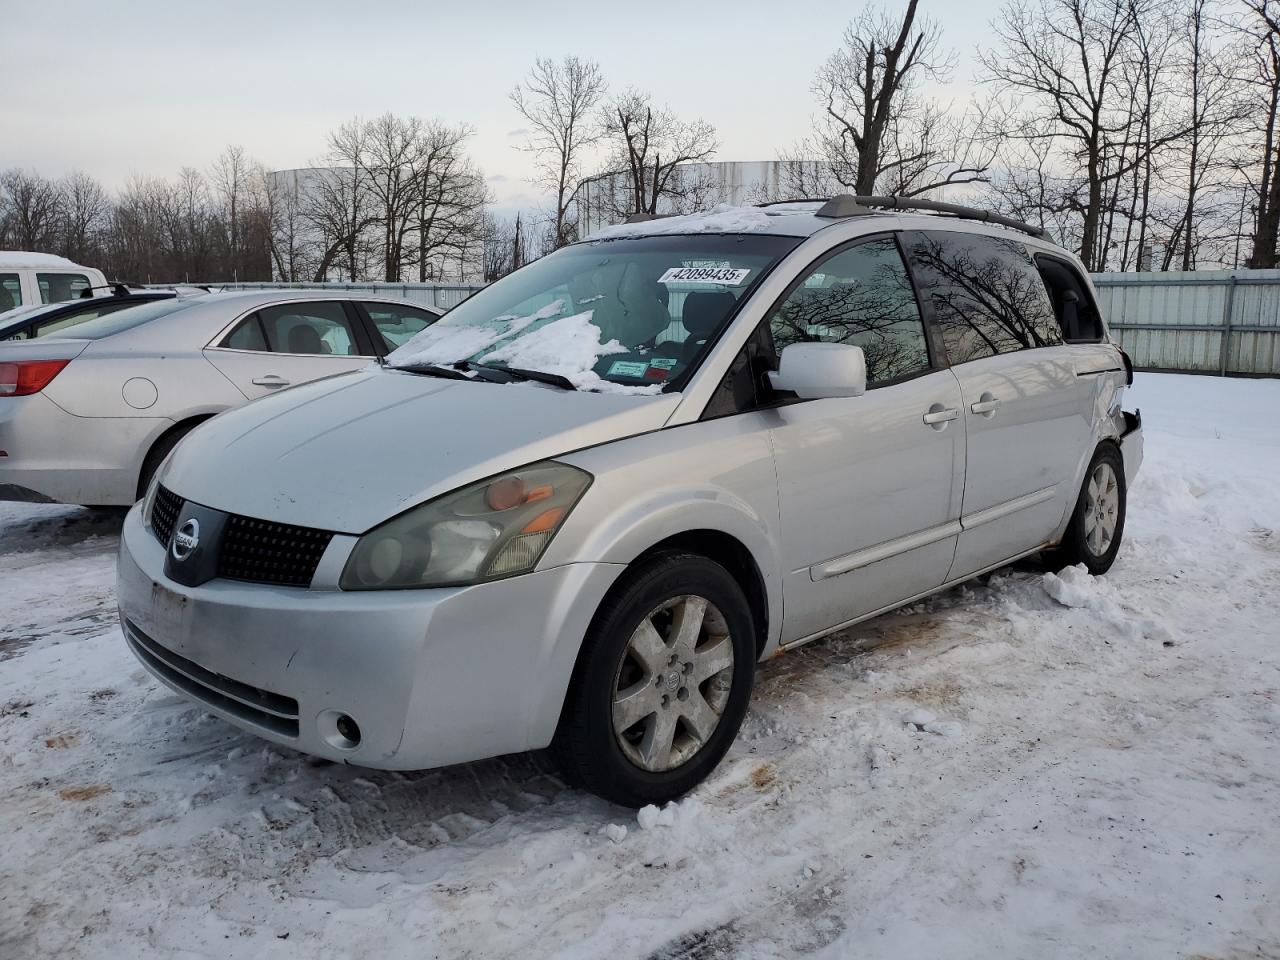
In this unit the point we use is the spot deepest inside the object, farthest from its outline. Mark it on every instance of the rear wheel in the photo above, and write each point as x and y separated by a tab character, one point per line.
1097	523
155	456
662	683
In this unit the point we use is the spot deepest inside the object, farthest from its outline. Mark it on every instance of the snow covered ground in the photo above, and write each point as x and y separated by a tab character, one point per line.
1036	765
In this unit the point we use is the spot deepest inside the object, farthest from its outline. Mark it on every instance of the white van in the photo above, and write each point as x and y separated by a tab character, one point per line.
28	279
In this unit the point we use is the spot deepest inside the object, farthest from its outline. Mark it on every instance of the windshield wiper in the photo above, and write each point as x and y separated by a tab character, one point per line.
432	370
520	373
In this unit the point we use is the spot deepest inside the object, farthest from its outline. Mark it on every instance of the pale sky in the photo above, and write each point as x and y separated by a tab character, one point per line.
150	86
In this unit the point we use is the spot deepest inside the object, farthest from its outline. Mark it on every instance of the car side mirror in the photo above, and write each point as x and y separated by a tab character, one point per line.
814	371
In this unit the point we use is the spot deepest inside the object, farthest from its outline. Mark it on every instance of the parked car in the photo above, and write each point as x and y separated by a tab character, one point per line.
28	323
89	411
726	435
29	278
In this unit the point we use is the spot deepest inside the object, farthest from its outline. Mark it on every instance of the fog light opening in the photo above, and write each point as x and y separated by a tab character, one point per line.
348	729
339	730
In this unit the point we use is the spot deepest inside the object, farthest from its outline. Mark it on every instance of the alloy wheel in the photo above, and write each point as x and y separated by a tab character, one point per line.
673	683
1102	509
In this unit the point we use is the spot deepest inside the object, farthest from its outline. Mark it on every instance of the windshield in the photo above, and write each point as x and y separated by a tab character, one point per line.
122	320
625	315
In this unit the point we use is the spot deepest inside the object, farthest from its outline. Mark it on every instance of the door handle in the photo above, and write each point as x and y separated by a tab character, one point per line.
985	405
271	381
938	414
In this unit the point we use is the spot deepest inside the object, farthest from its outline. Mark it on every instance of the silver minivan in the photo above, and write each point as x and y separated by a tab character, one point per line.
580	508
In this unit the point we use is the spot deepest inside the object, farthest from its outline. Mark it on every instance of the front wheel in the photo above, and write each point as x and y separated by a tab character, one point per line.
1097	523
662	683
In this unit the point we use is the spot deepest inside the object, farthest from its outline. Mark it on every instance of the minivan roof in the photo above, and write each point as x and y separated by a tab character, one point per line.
799	218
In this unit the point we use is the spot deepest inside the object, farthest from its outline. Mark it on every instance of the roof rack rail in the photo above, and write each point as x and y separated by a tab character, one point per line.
778	203
848	205
646	217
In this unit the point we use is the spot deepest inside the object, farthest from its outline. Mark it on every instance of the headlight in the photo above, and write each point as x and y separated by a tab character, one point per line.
495	528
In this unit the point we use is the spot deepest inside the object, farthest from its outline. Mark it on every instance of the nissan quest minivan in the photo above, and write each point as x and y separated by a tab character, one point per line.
578	510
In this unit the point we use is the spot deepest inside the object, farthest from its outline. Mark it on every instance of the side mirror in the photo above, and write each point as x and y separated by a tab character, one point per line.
813	371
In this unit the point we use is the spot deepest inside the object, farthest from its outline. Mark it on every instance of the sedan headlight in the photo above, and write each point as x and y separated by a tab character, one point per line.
495	528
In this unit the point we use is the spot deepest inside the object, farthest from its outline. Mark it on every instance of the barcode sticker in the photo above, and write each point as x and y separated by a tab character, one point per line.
730	276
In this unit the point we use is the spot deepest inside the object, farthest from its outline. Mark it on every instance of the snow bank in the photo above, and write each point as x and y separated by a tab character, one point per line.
721	219
1112	792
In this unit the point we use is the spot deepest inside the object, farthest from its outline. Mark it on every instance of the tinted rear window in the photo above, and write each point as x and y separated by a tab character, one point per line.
122	320
985	292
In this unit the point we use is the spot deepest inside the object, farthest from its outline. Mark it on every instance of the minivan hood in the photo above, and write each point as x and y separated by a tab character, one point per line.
348	452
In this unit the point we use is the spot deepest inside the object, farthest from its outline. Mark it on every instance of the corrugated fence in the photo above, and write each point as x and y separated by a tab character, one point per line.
1207	321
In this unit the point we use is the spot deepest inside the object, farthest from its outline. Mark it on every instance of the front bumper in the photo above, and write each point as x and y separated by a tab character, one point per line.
432	677
52	456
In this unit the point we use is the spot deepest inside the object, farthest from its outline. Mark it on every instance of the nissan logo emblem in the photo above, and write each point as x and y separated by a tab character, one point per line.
186	539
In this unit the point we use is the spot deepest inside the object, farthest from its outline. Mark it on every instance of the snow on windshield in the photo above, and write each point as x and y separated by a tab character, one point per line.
569	347
723	218
451	342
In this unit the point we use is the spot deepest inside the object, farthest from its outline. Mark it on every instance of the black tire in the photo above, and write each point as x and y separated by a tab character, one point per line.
1076	547
155	456
585	744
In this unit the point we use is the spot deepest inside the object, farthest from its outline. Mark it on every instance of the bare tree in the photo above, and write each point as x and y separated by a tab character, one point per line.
84	208
1214	116
391	158
877	132
30	208
1063	61
451	197
341	205
557	100
337	208
230	174
648	146
1263	30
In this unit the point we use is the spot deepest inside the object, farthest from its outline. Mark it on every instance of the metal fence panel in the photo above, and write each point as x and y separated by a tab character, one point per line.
1213	321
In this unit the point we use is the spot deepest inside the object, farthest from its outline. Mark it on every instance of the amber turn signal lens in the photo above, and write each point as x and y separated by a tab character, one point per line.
544	521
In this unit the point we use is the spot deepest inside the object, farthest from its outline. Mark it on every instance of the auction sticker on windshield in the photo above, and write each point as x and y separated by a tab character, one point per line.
731	276
628	368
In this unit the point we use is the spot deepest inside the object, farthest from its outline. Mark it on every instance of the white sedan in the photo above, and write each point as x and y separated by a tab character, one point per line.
87	414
